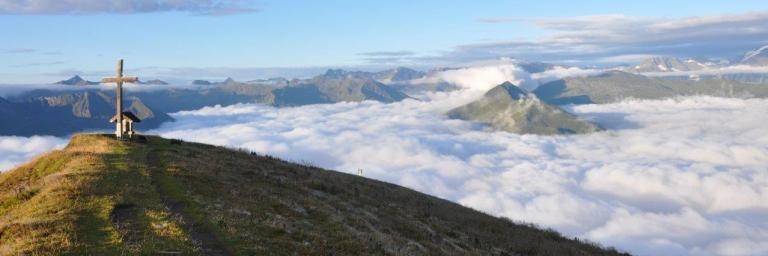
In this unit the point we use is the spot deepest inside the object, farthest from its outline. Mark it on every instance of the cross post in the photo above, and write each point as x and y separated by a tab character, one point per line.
119	80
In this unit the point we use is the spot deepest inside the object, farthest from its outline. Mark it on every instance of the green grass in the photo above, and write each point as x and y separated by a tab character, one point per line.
69	196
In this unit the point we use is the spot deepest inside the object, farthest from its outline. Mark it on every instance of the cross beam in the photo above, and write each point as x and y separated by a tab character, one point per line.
119	80
125	79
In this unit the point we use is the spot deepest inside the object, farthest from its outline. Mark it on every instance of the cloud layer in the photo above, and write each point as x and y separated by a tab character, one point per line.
683	176
82	7
617	38
480	77
16	150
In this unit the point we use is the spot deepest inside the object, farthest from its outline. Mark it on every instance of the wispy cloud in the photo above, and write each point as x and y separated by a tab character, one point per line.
388	53
388	57
72	72
20	50
602	38
85	7
626	58
37	64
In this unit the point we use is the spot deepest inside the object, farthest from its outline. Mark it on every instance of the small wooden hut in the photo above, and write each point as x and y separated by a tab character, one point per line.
128	120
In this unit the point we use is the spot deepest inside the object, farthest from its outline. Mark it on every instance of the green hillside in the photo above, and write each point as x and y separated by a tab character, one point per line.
100	196
507	107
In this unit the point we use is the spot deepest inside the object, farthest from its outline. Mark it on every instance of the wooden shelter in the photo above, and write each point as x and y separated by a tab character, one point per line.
128	119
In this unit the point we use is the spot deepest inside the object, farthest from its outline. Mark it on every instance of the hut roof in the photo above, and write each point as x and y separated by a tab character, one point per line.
126	115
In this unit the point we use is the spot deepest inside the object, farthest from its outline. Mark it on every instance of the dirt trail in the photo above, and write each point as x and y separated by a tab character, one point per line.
206	239
124	219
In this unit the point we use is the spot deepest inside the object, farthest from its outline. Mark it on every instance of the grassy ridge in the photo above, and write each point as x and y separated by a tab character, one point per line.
61	203
100	196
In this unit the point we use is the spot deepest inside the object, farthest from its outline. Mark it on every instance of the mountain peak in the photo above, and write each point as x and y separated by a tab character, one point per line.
335	73
228	81
76	80
201	82
508	88
399	74
509	108
154	82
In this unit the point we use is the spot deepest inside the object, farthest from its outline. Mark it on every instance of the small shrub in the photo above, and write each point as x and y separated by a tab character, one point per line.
141	139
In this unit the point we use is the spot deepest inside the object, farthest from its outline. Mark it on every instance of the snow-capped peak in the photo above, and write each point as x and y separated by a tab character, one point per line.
753	53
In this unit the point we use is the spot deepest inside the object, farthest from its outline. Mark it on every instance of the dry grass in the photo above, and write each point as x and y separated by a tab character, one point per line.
61	202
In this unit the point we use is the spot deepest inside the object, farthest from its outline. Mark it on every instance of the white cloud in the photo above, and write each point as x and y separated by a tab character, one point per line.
480	77
16	150
78	7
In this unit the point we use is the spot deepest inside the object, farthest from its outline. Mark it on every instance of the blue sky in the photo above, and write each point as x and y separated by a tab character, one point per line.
44	44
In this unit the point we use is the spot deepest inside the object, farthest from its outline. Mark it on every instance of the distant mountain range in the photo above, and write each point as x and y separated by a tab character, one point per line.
756	57
276	81
154	82
77	80
334	86
398	74
741	69
55	112
669	64
617	85
201	82
58	112
44	112
510	108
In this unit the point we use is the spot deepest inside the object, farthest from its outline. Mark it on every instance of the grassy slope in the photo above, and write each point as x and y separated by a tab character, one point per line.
503	109
101	196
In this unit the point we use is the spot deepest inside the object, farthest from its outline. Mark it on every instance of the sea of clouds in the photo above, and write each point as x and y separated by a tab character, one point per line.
15	150
683	176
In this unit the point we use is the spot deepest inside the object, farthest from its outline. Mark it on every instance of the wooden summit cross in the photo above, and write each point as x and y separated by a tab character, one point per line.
121	127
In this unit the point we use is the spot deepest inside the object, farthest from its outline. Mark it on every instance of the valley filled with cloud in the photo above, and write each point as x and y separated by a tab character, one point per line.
680	176
15	150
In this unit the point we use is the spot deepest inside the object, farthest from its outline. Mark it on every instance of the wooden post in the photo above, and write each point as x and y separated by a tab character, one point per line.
119	79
